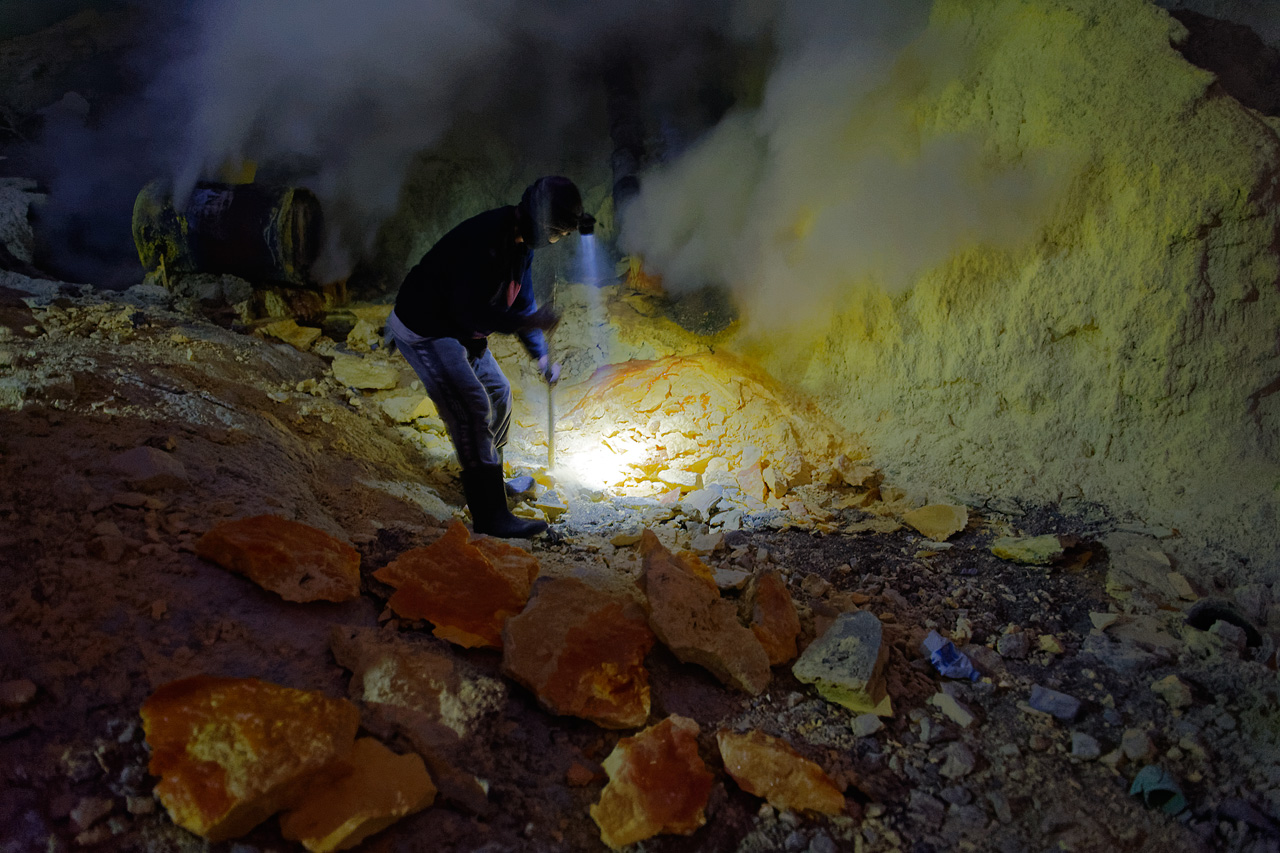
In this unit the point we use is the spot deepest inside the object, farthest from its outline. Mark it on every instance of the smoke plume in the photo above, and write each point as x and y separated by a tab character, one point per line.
829	184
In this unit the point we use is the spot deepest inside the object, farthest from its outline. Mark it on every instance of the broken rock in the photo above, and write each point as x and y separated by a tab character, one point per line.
415	673
1175	692
695	623
846	664
1060	705
231	752
365	373
380	788
770	768
298	337
149	469
938	521
467	588
657	784
581	651
293	560
774	619
1028	550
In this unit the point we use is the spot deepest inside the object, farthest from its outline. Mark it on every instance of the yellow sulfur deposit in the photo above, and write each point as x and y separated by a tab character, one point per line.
1073	286
703	419
1125	352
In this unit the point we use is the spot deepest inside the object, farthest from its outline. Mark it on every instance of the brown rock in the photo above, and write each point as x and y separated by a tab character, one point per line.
938	521
293	560
381	788
581	651
441	749
695	623
415	672
579	775
231	752
770	768
657	784
774	619
466	588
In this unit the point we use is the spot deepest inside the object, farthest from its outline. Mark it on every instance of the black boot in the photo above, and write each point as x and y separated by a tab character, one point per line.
487	498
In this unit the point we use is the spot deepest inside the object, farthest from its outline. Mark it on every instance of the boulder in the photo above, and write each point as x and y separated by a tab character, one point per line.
657	784
291	559
770	768
298	337
581	651
695	623
938	521
1028	550
366	374
231	752
774	619
380	788
415	672
846	664
466	588
149	469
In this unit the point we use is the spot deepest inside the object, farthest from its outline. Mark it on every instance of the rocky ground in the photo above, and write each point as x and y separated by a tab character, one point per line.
1170	655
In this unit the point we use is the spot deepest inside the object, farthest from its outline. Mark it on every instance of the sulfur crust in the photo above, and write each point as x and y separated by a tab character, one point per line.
1127	353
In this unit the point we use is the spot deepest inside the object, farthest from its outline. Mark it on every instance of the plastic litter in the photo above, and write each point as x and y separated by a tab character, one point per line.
1158	789
949	660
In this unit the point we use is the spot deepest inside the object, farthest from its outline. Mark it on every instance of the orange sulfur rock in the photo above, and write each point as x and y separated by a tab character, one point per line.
381	788
581	651
466	588
657	784
695	623
293	560
770	768
231	752
774	619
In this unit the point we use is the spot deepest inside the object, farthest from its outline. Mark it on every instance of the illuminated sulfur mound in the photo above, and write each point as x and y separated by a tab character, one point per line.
684	421
231	752
1112	340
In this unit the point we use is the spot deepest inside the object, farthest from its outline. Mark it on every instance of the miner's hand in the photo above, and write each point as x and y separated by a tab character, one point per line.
550	371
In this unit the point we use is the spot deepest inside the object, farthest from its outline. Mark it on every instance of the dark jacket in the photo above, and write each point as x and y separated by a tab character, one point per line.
475	281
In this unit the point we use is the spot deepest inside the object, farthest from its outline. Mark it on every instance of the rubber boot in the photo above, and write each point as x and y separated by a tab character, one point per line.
516	487
487	498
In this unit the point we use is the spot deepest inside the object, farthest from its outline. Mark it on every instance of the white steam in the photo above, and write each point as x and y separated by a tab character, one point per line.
359	89
828	185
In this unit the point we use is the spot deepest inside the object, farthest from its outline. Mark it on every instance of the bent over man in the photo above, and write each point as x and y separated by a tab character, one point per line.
473	282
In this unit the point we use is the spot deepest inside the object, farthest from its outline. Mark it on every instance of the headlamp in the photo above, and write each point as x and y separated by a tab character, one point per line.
586	224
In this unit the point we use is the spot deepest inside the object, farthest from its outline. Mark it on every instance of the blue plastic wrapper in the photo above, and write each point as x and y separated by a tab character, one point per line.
949	660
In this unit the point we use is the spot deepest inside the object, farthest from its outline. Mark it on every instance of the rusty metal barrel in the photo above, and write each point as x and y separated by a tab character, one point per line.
257	232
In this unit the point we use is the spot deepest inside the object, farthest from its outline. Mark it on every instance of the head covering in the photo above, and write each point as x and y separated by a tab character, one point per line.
551	203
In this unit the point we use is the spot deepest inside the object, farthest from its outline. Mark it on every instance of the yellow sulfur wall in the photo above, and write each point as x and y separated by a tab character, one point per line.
1126	352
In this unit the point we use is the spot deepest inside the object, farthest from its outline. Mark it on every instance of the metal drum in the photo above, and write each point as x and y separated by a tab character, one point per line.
256	232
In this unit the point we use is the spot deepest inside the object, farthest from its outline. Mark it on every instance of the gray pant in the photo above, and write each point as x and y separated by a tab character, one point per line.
471	394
